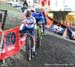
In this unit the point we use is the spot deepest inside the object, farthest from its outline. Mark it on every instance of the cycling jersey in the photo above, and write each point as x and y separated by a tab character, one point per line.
29	22
39	17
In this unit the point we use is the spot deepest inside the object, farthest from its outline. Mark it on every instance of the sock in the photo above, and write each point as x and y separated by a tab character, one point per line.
41	29
33	48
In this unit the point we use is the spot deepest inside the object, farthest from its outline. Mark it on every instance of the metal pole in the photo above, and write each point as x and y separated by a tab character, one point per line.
1	43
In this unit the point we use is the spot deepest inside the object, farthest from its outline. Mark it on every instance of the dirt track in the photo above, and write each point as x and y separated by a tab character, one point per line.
54	52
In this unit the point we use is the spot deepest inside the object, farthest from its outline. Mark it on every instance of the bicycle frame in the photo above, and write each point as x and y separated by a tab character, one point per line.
29	45
39	36
29	35
39	33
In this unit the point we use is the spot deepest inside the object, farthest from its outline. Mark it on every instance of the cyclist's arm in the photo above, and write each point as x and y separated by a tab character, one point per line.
21	27
23	15
35	25
23	24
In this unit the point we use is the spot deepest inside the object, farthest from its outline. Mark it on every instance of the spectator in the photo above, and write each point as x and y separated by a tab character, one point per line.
25	6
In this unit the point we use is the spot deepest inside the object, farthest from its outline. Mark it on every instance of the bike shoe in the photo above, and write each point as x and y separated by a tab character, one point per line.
34	54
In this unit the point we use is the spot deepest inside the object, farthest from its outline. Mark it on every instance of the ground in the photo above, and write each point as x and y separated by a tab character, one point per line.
54	52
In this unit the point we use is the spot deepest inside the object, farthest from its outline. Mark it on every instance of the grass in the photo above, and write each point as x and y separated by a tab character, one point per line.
14	15
12	11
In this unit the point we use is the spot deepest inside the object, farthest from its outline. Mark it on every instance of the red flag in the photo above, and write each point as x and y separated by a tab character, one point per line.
43	2
48	2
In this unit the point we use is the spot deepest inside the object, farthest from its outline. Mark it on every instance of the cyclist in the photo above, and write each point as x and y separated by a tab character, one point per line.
40	20
29	24
45	16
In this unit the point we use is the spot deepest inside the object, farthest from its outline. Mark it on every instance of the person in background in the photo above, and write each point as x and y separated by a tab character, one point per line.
70	31
25	6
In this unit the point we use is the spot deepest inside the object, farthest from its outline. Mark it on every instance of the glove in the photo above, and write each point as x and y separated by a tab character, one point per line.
21	27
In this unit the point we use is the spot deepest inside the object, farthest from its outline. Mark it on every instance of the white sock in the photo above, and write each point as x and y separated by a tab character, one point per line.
33	48
41	29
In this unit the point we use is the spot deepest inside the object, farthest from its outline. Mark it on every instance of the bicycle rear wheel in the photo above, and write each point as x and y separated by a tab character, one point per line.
39	35
29	48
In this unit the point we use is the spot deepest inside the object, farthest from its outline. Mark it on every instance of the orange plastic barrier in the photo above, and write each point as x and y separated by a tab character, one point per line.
12	43
49	22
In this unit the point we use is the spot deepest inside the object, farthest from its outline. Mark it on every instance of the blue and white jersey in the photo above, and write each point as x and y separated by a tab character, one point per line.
39	17
29	22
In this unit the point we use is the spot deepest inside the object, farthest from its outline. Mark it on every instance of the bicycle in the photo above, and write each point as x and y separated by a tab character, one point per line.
39	36
29	45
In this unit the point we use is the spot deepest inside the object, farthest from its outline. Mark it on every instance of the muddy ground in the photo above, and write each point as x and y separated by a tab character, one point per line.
54	52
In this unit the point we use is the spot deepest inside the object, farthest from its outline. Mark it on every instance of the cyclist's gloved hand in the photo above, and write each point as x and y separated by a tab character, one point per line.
21	27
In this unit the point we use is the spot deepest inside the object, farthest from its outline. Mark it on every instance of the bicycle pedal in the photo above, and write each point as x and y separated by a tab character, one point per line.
34	54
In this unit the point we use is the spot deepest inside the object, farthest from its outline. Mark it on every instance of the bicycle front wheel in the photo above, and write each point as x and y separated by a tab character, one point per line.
28	48
39	36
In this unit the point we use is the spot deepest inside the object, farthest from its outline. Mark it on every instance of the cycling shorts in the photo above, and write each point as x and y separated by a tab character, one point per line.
30	30
41	21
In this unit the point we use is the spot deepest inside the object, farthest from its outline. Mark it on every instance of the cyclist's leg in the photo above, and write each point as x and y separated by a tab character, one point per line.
33	48
40	24
39	30
39	36
43	24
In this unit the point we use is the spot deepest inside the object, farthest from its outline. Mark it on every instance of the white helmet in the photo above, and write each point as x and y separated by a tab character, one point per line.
37	10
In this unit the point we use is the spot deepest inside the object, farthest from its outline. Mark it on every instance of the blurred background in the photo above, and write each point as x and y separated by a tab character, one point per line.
60	10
